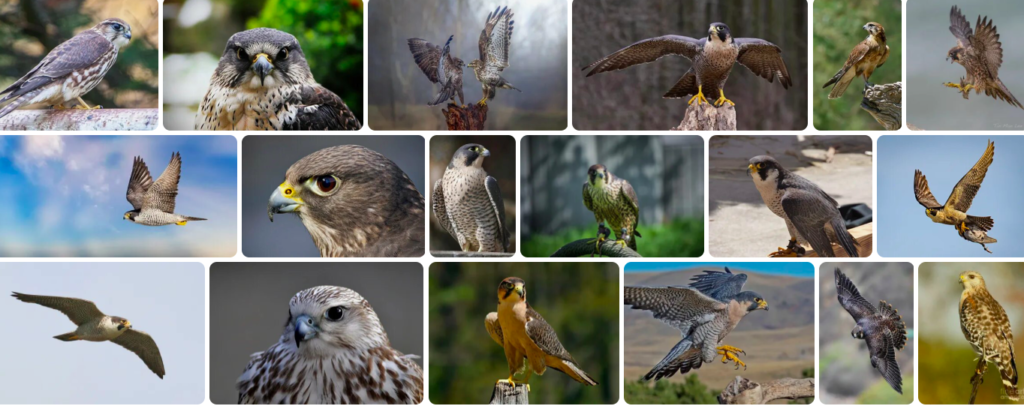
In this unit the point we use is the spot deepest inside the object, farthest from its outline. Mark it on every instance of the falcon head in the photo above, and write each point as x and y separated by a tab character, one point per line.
857	332
752	301
131	214
469	155
598	176
115	30
875	29
261	59
512	289
972	280
954	54
933	212
326	319
121	323
719	32
764	168
476	63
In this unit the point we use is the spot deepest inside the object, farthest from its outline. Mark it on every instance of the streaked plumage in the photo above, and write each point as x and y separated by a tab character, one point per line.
468	203
867	56
495	41
333	350
954	212
981	54
986	327
153	202
440	67
882	329
613	201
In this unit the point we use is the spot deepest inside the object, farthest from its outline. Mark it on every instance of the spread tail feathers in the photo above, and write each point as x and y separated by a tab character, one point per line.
846	240
984	223
66	337
664	368
898	337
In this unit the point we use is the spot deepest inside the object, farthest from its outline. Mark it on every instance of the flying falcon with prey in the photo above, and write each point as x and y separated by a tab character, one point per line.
882	329
867	56
95	326
440	67
468	203
70	70
985	325
333	350
531	345
981	54
263	82
153	202
613	201
705	312
713	58
495	40
354	202
954	212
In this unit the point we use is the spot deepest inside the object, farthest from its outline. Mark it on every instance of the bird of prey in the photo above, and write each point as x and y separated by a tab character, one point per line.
95	326
954	212
333	350
354	202
713	58
867	56
440	67
495	40
812	216
981	54
531	345
882	329
71	69
468	203
153	202
704	312
613	201
263	82
985	325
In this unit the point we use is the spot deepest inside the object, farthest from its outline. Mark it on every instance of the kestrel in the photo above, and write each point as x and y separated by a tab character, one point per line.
153	202
495	40
981	55
867	56
468	203
882	329
954	212
613	201
985	325
440	67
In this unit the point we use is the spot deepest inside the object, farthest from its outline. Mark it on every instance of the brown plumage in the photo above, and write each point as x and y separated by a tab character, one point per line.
981	55
954	212
867	56
448	74
986	327
613	201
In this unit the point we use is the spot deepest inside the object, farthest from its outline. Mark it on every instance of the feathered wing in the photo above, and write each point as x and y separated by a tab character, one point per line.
317	109
850	298
494	328
883	358
498	206
544	336
77	53
968	186
719	285
440	210
922	193
496	38
960	28
986	46
764	59
78	310
162	193
427	57
892	325
142	345
809	211
634	203
848	72
139	183
646	51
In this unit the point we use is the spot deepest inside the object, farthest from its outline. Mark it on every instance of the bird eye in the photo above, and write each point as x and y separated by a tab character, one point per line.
118	27
326	183
282	54
289	192
760	165
972	276
335	313
242	54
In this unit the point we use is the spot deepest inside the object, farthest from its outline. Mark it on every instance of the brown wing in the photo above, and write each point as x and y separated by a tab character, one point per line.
495	37
138	183
923	193
960	28
544	336
986	46
427	56
648	50
161	195
79	52
764	59
627	190
142	345
967	187
587	200
320	109
78	310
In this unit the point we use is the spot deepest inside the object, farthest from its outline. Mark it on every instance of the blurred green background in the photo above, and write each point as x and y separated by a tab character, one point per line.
29	29
195	32
946	360
838	27
579	300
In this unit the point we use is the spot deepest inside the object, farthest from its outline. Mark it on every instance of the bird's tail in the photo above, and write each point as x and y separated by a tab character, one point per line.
898	337
17	102
846	240
442	96
575	372
66	337
681	358
984	223
842	80
1008	371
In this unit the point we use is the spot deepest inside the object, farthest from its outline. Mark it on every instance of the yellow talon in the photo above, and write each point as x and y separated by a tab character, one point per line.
968	88
699	97
953	85
83	106
722	100
783	252
621	243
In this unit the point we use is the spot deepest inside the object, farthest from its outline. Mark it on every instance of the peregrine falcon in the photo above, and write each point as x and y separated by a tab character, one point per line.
867	56
333	350
153	202
95	326
713	58
612	200
495	40
354	202
526	337
985	325
812	216
705	312
264	83
981	55
468	203
954	212
440	67
882	329
71	69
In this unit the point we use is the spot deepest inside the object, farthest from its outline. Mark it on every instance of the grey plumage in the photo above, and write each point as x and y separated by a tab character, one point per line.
882	329
153	202
468	203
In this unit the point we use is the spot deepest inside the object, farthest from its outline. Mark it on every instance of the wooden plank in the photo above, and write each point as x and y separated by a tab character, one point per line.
864	235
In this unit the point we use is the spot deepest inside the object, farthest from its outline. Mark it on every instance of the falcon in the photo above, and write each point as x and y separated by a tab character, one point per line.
440	67
981	54
468	203
495	39
531	345
985	325
705	312
954	212
713	58
95	326
71	69
882	329
153	202
354	202
867	56
263	82
812	216
333	350
613	202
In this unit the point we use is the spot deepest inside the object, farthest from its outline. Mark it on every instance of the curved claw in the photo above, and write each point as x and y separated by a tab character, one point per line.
722	100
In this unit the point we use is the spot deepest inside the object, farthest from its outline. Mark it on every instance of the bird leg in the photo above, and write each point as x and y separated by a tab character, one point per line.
602	234
483	100
699	96
624	240
722	100
791	250
729	353
512	382
83	106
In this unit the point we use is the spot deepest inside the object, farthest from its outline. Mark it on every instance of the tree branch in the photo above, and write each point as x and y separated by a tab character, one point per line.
746	392
80	120
705	117
586	246
505	394
978	378
470	118
884	103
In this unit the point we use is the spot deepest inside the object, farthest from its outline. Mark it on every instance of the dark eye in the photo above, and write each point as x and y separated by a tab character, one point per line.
283	54
972	276
760	165
242	54
326	183
335	313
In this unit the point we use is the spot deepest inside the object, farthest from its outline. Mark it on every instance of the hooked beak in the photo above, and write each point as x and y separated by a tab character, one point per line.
486	153
127	35
962	280
762	304
262	66
283	200
751	169
305	329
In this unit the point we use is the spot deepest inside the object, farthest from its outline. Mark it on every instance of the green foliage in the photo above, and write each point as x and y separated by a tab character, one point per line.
679	238
690	391
947	370
882	394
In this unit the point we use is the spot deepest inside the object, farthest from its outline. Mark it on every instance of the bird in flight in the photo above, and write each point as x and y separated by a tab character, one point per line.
495	41
954	212
153	202
882	329
981	54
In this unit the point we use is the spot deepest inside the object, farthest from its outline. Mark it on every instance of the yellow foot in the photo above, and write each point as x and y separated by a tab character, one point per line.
953	85
783	252
59	106
482	102
622	243
699	97
181	223
728	354
722	100
730	348
512	382
82	105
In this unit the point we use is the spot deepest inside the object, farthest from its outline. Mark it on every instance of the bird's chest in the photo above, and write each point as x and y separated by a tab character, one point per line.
714	64
606	205
770	194
155	218
465	198
513	319
240	110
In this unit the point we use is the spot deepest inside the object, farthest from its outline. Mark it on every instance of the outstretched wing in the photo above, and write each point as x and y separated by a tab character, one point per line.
987	46
968	186
960	28
78	310
161	195
922	193
719	285
764	59
139	183
646	51
682	308
427	57
850	298
142	345
883	358
498	206
496	38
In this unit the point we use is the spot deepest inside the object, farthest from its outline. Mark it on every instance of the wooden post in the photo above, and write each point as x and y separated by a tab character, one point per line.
470	118
885	104
705	117
742	391
505	394
81	120
586	246
863	234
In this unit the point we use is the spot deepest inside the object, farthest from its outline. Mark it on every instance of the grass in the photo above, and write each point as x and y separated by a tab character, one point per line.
682	237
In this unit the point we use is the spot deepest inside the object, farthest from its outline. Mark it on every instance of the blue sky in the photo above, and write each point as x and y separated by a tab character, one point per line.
903	229
65	196
165	300
795	269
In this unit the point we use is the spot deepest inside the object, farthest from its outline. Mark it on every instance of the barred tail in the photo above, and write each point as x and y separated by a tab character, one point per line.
1008	371
17	102
899	336
844	79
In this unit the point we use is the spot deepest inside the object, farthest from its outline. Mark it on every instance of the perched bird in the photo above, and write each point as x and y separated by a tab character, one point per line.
71	69
812	216
153	202
613	201
705	312
354	202
954	212
985	325
867	56
95	326
882	329
468	203
263	82
981	55
713	58
495	40
530	343
440	67
973	233
333	350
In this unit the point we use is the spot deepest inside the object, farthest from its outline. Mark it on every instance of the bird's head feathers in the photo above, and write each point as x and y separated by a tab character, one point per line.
752	301
469	155
764	168
131	214
327	319
598	176
954	54
875	29
261	59
934	212
719	32
972	280
476	63
115	30
122	323
512	290
857	332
